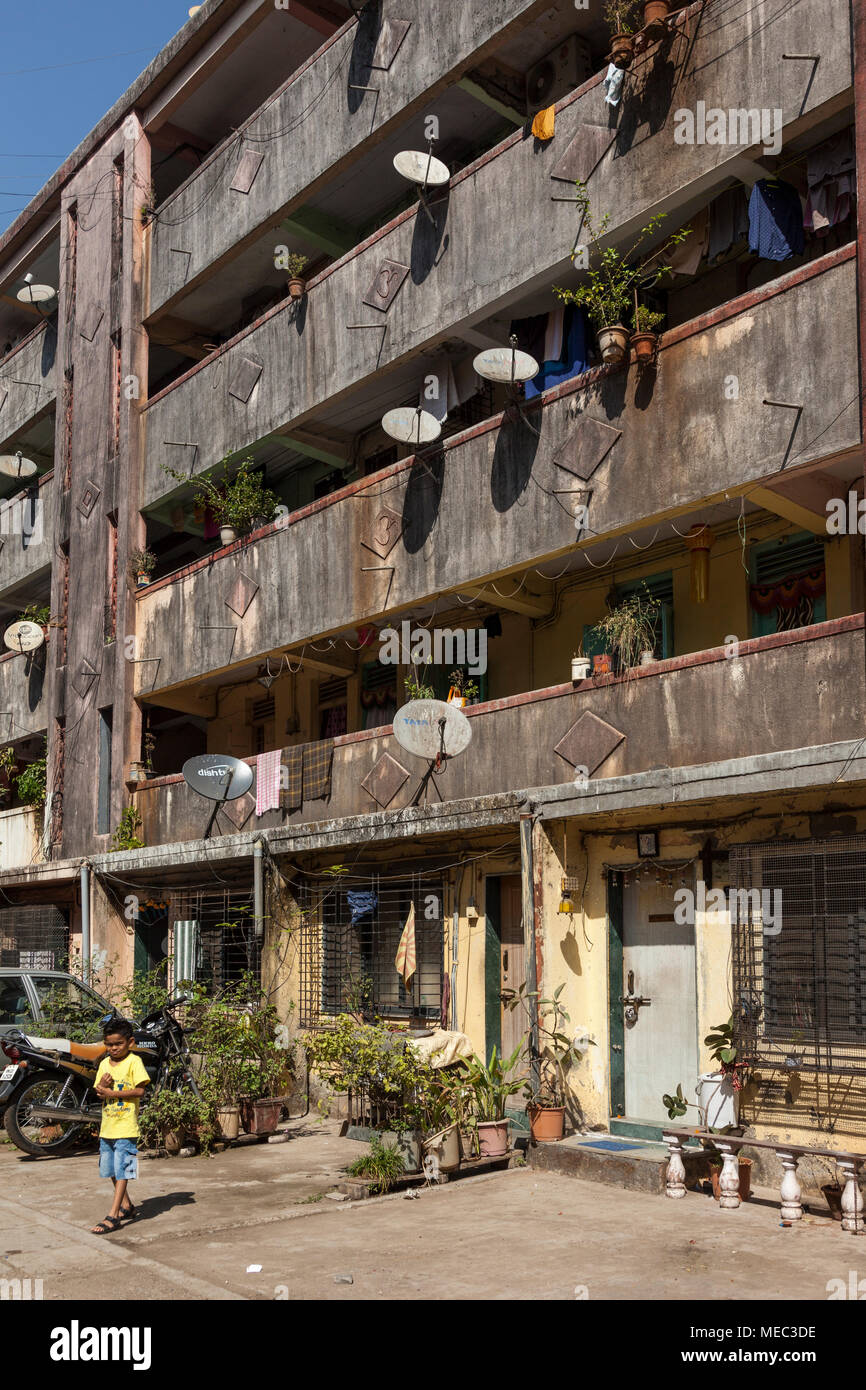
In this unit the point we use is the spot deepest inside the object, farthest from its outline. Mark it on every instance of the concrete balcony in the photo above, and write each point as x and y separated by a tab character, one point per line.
26	531
28	382
23	686
310	129
20	838
498	497
497	234
779	693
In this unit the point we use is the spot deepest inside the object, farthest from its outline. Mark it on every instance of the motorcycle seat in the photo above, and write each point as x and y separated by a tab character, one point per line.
87	1052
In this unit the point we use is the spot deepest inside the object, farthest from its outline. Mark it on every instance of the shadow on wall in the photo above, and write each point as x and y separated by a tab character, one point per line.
513	459
421	500
363	50
49	346
429	240
647	97
35	672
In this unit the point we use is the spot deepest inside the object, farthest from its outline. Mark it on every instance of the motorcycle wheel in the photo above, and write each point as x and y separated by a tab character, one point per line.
46	1137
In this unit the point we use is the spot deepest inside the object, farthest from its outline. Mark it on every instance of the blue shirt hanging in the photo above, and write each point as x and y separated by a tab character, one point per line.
574	359
775	221
361	905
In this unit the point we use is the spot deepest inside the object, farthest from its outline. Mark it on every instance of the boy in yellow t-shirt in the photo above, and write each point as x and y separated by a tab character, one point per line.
120	1082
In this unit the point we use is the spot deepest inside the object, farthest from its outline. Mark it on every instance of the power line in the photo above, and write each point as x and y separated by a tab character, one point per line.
77	63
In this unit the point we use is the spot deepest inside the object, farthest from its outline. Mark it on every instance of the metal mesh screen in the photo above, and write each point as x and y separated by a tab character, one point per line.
798	917
34	938
350	934
227	944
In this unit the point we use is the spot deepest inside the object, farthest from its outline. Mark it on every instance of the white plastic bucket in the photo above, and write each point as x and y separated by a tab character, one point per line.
718	1099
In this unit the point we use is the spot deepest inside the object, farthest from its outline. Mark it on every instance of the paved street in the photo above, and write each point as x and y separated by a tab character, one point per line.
205	1221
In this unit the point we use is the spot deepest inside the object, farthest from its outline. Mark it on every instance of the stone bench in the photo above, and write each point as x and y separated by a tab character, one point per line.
789	1155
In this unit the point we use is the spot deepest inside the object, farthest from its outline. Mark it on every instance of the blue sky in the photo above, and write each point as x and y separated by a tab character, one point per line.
46	113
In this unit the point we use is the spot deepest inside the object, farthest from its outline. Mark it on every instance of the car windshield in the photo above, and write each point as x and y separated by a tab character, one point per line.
14	1004
69	1008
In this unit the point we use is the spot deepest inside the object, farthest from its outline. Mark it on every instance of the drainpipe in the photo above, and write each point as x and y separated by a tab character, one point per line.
258	890
527	883
85	921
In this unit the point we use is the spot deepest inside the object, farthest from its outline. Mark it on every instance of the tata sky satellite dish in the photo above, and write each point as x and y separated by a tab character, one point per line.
23	636
429	728
216	777
421	168
506	365
410	425
17	466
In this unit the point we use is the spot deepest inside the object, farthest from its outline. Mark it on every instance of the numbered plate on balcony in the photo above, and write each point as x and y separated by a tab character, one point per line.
218	777
430	727
23	636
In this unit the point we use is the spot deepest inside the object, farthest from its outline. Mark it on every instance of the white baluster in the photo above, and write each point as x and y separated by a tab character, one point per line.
676	1174
852	1198
729	1178
792	1207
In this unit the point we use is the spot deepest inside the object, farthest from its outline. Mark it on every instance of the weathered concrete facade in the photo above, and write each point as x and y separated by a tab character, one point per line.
744	729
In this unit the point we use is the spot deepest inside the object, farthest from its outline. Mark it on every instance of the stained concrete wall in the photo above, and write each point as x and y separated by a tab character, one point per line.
20	837
496	497
778	694
497	232
27	534
28	381
311	130
23	693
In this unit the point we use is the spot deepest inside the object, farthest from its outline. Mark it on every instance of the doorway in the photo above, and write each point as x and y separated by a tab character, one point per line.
653	998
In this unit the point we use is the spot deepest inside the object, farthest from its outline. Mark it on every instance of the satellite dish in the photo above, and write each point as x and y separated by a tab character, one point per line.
411	425
422	168
23	636
506	364
216	777
429	727
17	466
36	294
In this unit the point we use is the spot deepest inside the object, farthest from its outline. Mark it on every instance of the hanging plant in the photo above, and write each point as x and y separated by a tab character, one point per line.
612	276
645	338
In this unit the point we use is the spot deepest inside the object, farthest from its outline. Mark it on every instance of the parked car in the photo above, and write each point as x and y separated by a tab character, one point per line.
23	995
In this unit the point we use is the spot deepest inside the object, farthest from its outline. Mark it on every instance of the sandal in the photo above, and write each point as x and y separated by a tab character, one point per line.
106	1226
129	1213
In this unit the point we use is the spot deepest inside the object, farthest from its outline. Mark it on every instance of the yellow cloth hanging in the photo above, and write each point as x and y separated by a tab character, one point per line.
544	125
406	961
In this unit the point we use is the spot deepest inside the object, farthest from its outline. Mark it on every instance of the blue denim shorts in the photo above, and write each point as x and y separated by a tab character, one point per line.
118	1158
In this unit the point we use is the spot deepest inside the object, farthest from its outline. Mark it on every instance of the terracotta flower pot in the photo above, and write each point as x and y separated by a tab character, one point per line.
493	1138
546	1123
655	12
173	1140
613	343
645	347
833	1193
297	287
260	1116
622	49
745	1169
602	664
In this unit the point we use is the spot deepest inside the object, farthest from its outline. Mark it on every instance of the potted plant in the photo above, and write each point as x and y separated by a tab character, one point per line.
168	1117
244	1066
445	1109
655	12
38	613
31	782
719	1091
645	338
629	628
623	19
677	1106
556	1052
381	1166
142	564
611	281
832	1190
416	687
580	667
490	1087
296	263
239	502
462	689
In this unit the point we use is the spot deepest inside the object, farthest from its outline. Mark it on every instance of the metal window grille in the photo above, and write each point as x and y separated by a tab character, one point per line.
34	938
800	980
347	954
227	941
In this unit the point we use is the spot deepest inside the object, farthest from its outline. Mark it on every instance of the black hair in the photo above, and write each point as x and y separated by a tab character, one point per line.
117	1025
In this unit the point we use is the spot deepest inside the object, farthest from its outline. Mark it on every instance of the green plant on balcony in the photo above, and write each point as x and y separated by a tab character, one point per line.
417	686
296	264
629	628
39	613
31	784
141	565
623	16
125	837
612	276
238	501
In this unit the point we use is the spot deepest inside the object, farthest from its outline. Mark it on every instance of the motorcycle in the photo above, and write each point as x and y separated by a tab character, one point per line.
47	1090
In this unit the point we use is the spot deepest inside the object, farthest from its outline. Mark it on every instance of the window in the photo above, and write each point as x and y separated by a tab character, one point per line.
660	587
66	1003
359	927
378	694
799	931
789	584
14	1004
333	708
221	926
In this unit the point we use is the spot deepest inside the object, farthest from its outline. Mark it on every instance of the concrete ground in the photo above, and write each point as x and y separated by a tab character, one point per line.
517	1234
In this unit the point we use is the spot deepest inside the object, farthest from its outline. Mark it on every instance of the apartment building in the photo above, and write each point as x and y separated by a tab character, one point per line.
578	839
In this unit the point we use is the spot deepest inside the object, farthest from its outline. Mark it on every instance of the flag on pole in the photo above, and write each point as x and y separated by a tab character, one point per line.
406	960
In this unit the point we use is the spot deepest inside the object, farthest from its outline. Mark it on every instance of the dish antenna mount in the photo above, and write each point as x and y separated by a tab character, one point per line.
217	778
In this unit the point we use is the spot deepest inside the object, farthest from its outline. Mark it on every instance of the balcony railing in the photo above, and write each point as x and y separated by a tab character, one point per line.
705	707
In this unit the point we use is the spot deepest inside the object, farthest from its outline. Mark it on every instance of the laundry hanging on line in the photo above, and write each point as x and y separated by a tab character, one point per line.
832	182
685	258
574	357
729	222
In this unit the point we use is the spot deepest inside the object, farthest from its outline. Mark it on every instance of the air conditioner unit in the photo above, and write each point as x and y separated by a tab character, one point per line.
565	67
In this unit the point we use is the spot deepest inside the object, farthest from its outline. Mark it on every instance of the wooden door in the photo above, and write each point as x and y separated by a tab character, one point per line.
512	961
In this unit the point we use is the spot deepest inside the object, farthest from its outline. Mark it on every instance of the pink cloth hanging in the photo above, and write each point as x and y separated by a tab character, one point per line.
267	782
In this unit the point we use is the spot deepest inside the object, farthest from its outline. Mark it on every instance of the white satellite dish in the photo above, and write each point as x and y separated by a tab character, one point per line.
17	466
36	294
411	425
506	365
422	168
23	636
428	728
